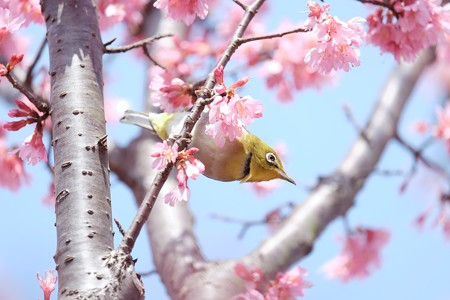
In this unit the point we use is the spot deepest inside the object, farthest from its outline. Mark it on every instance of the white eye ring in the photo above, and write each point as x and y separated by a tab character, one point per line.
271	157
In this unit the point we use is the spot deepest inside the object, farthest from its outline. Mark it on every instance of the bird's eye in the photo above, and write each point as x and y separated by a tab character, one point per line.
271	157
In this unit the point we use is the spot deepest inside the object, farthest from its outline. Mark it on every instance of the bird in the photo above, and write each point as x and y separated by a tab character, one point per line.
247	158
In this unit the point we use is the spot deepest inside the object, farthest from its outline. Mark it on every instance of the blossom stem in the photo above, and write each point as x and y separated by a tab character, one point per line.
41	104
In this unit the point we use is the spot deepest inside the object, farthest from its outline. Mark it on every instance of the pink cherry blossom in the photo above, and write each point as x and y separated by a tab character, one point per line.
318	13
229	113
287	70
33	150
187	167
337	41
191	166
48	283
25	109
164	154
181	192
254	276
407	27
289	285
183	10
169	93
360	255
8	22
13	173
113	12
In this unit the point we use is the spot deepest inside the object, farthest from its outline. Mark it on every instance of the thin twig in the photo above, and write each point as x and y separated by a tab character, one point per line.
242	5
119	226
148	273
241	41
247	224
419	157
40	103
349	115
204	97
382	4
137	44
29	77
147	54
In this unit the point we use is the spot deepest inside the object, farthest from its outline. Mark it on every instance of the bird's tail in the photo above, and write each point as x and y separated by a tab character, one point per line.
137	118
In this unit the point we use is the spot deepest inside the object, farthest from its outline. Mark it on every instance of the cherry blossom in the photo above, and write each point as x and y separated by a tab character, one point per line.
183	10
48	283
164	154
187	167
337	41
13	173
113	12
254	276
288	285
403	28
13	61
169	93
32	149
361	253
26	110
229	113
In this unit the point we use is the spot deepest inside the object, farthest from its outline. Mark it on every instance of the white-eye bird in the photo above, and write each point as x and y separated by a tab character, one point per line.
246	158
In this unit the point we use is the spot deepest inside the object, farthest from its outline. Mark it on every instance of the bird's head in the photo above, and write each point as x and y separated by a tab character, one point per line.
263	162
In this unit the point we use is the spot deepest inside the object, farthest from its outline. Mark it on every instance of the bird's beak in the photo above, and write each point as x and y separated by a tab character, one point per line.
284	176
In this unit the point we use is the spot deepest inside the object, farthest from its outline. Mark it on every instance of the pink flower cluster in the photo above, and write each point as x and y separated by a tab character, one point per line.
229	113
361	253
15	14
32	149
13	173
13	61
183	10
48	283
113	12
408	26
337	41
187	167
168	92
286	286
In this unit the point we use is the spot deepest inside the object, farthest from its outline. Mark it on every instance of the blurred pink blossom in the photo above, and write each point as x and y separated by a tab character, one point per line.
183	10
48	283
414	25
361	253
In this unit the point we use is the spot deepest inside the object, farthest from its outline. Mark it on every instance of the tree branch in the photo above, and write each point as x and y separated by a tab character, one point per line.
334	196
138	44
29	78
41	104
241	41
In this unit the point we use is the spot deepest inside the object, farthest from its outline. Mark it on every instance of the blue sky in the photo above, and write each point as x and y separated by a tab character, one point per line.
415	264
